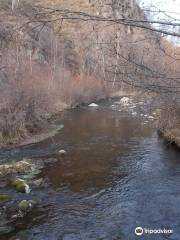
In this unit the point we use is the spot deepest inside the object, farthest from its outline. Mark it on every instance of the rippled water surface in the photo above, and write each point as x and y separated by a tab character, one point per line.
117	175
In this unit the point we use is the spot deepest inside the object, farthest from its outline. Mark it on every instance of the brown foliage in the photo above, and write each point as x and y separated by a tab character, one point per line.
37	92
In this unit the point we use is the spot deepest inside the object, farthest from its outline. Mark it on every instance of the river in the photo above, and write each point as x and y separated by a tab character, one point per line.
117	175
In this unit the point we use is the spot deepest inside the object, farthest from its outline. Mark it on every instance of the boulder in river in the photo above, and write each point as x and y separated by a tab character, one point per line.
125	100
62	152
21	186
15	167
93	105
134	113
151	117
26	205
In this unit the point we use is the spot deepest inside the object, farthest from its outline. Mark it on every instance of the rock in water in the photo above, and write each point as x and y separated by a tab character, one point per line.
25	205
93	105
125	100
62	152
134	113
16	167
21	186
61	126
38	182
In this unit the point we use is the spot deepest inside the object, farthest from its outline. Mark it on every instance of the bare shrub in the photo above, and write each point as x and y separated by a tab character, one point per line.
82	89
36	92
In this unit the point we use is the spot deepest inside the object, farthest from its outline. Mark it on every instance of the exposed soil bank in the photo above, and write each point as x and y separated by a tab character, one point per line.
48	129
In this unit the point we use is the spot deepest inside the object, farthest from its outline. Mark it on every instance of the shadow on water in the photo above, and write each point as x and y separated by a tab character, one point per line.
117	175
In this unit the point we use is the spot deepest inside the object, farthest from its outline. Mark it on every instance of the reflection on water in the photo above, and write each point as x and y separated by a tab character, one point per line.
94	139
117	175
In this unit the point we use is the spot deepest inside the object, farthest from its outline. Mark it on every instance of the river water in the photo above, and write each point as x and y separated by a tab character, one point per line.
117	175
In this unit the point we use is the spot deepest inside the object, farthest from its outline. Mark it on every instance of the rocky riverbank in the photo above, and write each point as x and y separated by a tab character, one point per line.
19	183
